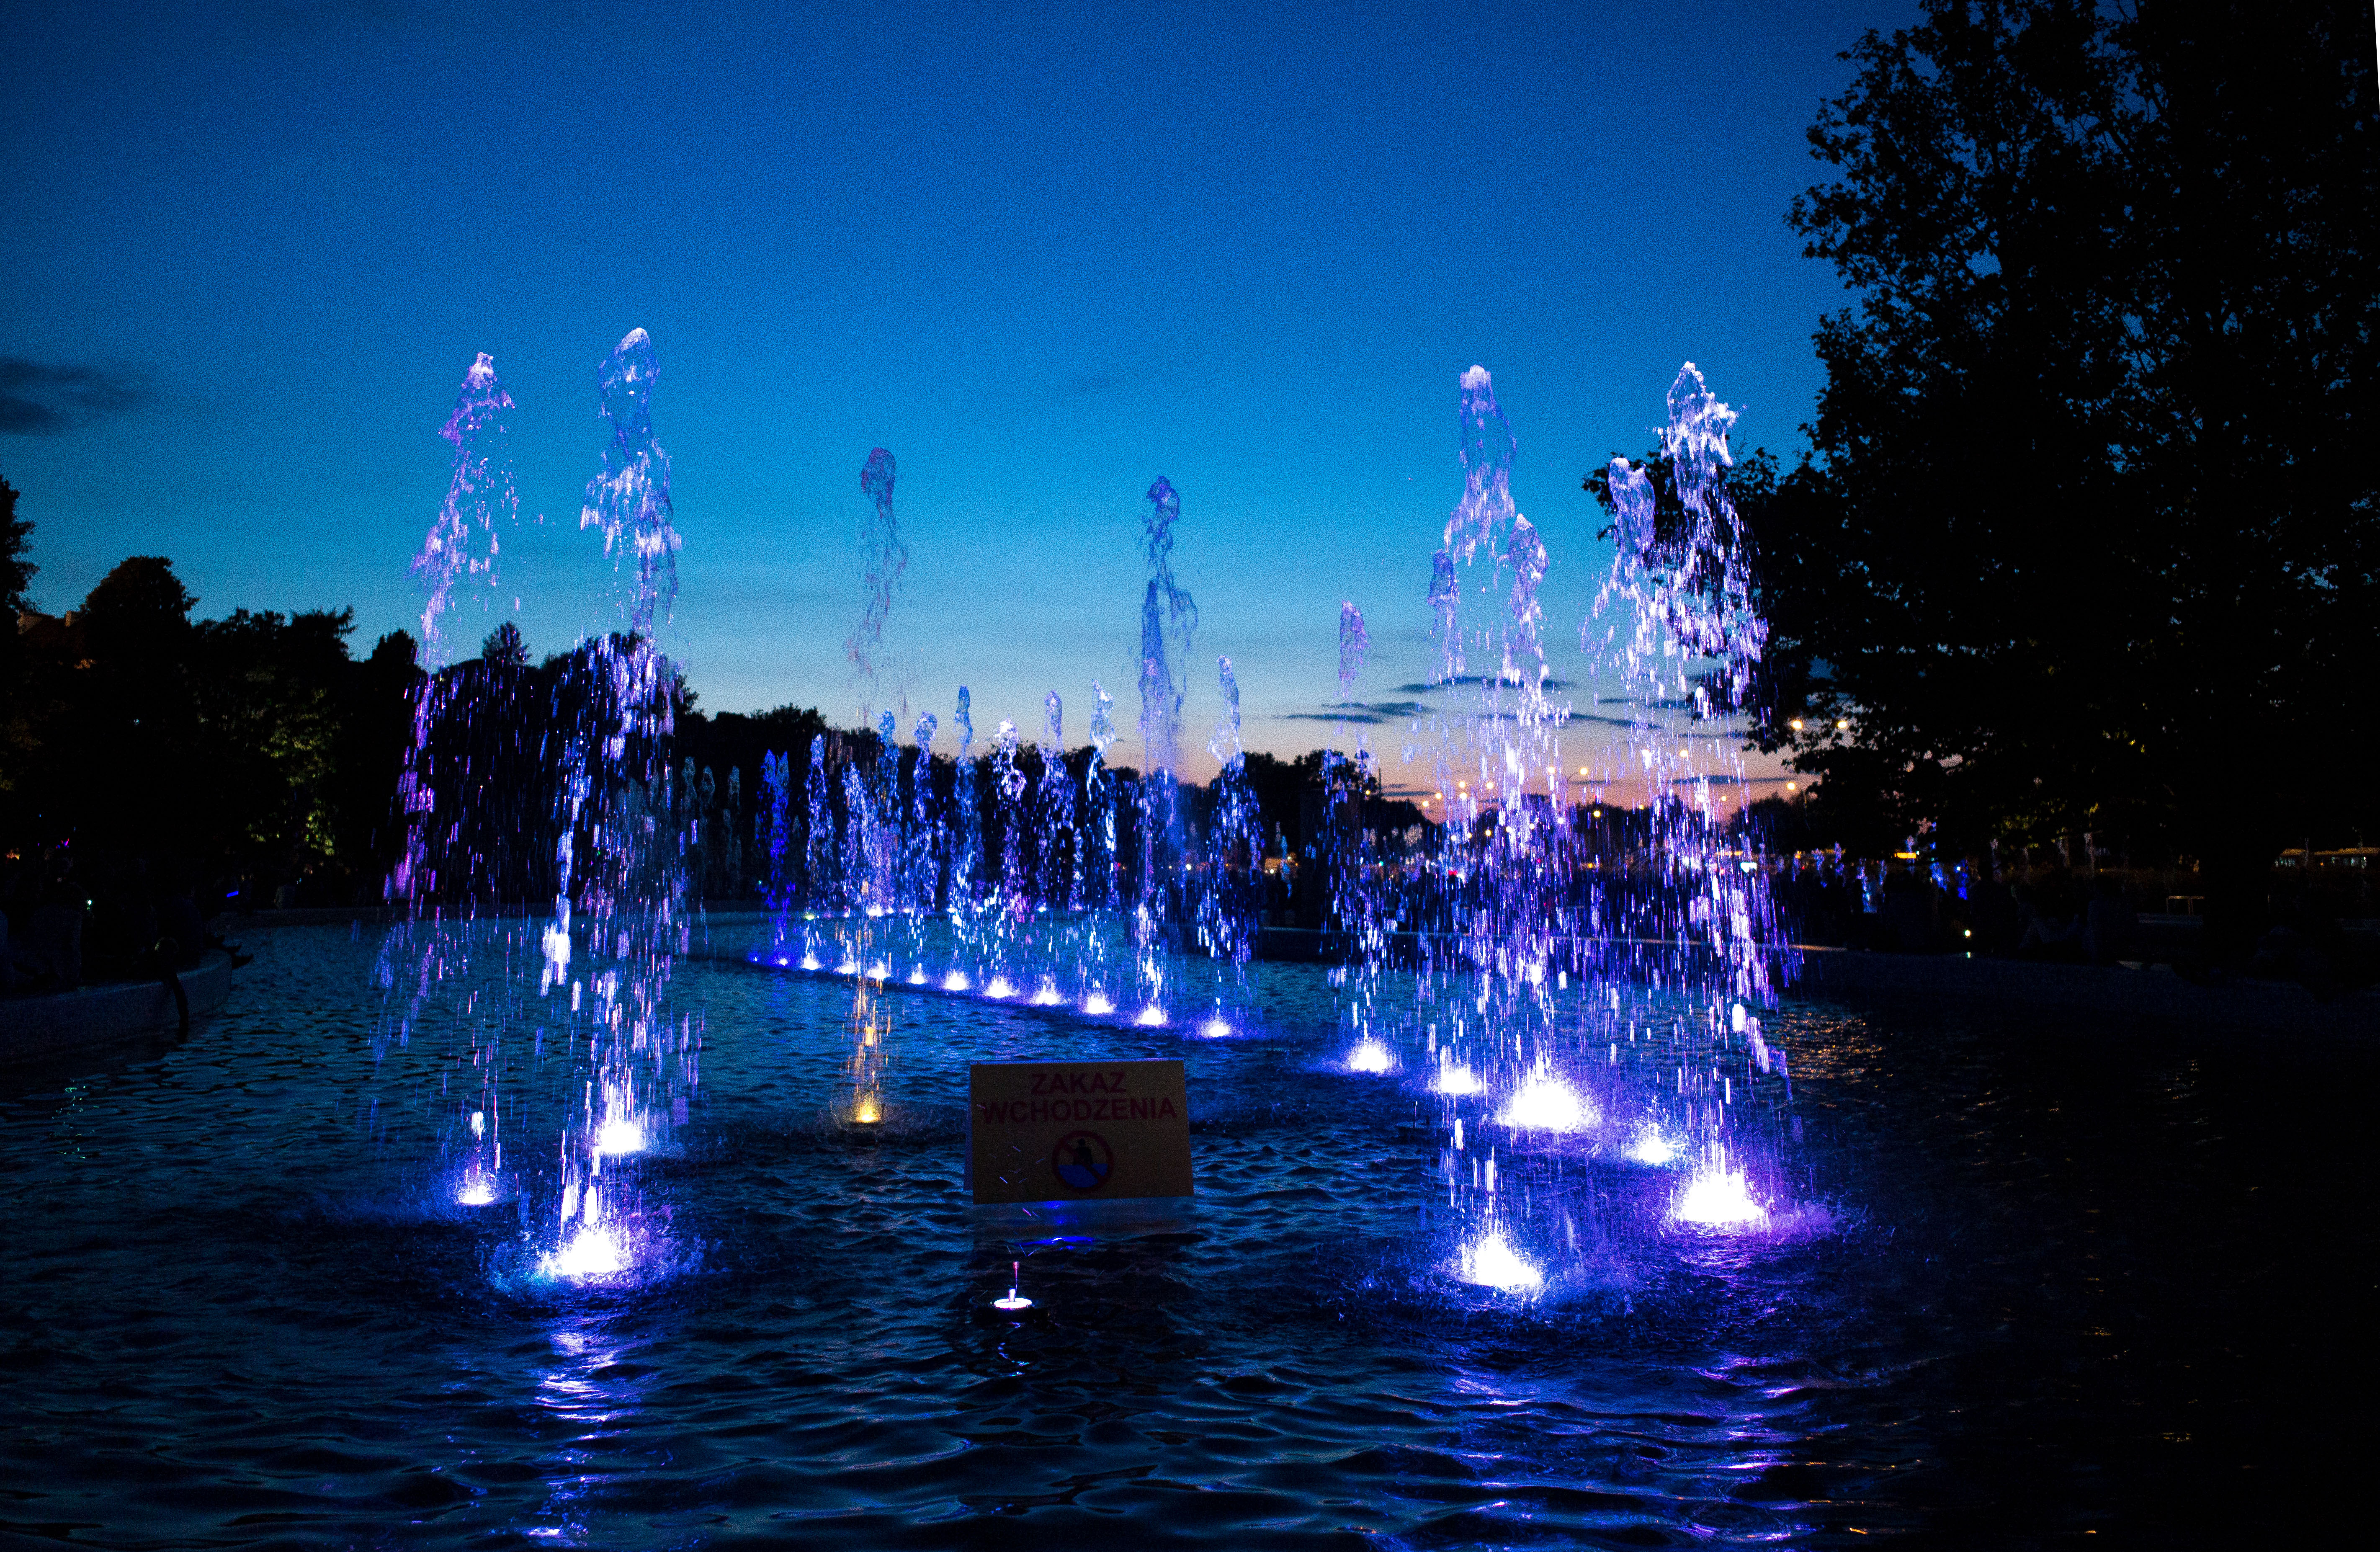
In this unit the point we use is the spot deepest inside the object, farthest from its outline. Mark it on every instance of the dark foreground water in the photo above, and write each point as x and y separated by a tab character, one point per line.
2073	1286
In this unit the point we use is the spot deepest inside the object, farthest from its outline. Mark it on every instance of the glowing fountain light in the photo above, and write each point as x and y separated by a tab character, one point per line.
1150	1017
865	1111
879	971
1098	1004
1718	1197
619	1134
1048	996
1653	1147
1015	1300
847	967
999	987
596	1251
954	981
1491	1262
477	1189
809	962
1370	1056
1453	1078
1544	1103
1215	1028
917	975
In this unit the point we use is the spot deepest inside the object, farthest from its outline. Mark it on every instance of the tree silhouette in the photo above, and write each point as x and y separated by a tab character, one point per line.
2087	537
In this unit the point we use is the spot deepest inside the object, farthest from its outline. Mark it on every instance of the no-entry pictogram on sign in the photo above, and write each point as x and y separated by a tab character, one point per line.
1077	1130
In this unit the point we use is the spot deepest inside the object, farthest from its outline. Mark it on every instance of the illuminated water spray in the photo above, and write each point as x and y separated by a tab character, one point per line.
481	502
621	856
1168	617
1231	907
883	559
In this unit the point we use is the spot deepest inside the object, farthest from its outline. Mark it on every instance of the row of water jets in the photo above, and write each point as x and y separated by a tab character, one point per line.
1099	895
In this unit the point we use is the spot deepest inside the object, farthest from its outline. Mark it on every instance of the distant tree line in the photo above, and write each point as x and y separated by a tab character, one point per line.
258	755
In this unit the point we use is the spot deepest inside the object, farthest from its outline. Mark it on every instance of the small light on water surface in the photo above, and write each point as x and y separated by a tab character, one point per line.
477	1191
1546	1103
1099	1003
1455	1078
1015	1300
1000	988
917	977
1048	996
809	962
1151	1017
1370	1056
954	981
1490	1263
1215	1028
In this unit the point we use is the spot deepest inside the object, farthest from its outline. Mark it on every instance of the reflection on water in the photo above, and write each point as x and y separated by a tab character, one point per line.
2013	1286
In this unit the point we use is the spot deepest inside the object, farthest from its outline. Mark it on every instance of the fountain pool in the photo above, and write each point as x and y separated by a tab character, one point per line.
2045	1283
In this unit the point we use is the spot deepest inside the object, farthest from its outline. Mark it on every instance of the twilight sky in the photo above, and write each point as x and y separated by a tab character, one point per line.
1043	254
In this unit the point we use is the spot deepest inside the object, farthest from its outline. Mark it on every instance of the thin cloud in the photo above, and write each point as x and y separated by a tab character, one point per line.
42	398
1470	679
1363	713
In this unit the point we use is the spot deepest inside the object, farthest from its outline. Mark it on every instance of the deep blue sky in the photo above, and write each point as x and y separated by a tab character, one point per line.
1043	254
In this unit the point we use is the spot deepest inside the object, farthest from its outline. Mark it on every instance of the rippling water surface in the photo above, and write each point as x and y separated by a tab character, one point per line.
2058	1284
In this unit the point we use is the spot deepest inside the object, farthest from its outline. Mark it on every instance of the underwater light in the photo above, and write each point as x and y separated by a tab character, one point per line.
1720	1198
1546	1103
954	981
1000	988
1455	1078
1015	1300
917	975
1048	996
1215	1028
595	1251
1491	1262
809	962
1652	1148
618	1134
1097	1003
865	1111
1370	1056
1152	1017
477	1191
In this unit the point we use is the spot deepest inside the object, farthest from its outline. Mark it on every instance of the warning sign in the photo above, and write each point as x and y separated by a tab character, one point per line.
1076	1131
